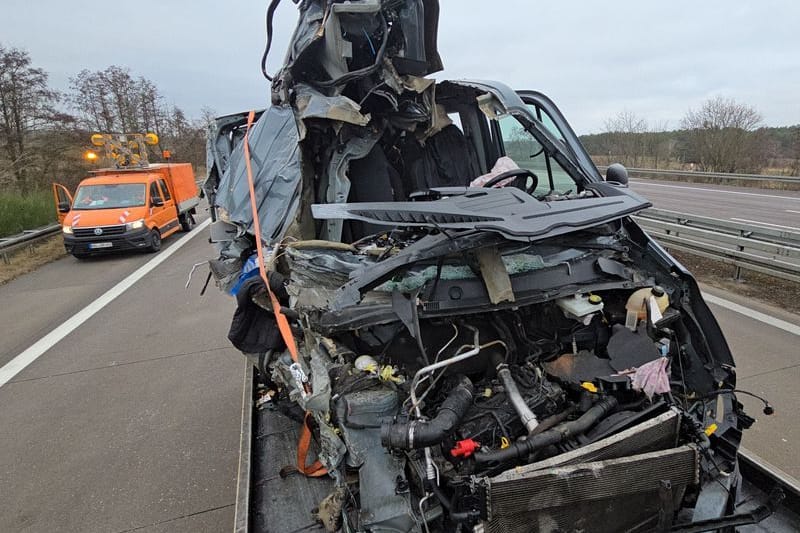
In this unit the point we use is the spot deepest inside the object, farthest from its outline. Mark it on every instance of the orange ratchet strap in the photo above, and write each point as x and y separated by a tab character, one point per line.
315	469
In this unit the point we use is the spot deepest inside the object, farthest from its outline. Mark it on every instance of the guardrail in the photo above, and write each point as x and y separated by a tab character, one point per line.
774	252
26	238
634	172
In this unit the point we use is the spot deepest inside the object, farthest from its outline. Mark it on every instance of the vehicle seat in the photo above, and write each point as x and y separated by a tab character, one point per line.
372	179
447	159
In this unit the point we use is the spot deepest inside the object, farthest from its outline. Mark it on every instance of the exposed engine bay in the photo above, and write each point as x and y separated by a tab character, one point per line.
438	411
453	303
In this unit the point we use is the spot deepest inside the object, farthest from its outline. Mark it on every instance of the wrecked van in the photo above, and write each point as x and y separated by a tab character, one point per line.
454	322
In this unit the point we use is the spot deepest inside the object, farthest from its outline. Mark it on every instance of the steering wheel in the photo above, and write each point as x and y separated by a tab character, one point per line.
519	183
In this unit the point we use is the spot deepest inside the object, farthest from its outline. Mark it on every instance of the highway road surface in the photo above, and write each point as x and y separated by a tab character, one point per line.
131	422
127	415
759	207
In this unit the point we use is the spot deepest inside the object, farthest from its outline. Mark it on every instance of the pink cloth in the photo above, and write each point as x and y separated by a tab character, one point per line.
503	164
652	378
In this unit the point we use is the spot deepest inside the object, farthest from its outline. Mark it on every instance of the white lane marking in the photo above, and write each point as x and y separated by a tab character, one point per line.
18	364
794	329
764	223
638	182
792	211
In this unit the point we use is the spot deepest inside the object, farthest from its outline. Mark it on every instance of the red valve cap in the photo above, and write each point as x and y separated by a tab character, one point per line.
464	448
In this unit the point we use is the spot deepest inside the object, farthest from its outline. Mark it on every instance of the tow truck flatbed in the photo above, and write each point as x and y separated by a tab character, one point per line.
269	502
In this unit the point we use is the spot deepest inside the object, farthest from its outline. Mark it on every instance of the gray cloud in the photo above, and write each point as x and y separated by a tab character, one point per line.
594	59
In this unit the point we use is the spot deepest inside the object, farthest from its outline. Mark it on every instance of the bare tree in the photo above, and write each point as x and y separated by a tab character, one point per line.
154	115
721	135
795	152
91	99
114	101
183	137
625	142
26	106
207	116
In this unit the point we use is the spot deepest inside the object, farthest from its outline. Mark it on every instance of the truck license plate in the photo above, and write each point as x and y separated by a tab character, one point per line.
96	245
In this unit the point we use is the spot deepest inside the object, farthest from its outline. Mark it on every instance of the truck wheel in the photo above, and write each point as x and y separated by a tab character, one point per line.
155	241
187	222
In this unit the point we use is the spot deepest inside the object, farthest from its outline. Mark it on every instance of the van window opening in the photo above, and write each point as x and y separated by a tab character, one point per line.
527	152
154	192
164	190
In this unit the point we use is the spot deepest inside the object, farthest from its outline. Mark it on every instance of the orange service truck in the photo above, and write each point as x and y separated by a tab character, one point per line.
130	206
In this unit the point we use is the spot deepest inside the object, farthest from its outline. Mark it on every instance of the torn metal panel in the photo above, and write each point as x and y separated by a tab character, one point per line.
337	186
313	104
337	50
337	43
398	82
223	136
276	174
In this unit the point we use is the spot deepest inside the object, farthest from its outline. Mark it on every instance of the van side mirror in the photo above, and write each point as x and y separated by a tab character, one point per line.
156	202
617	173
63	207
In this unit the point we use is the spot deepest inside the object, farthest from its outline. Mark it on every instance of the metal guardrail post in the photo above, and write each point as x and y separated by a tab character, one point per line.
737	269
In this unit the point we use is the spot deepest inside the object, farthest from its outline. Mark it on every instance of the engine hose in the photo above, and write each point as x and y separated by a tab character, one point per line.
424	433
455	516
554	420
521	449
514	396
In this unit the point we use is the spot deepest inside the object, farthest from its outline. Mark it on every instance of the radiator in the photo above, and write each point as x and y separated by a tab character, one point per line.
626	482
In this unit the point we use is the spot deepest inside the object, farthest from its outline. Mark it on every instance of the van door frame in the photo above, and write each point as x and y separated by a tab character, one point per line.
58	191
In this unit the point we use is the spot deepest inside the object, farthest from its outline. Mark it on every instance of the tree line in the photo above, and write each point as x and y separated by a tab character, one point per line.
44	132
723	135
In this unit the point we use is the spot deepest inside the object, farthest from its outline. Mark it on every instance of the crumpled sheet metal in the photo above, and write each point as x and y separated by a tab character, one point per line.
323	268
398	83
332	448
338	50
319	400
313	104
275	160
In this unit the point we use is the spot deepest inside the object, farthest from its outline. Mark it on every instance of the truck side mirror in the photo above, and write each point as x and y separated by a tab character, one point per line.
156	202
63	207
617	173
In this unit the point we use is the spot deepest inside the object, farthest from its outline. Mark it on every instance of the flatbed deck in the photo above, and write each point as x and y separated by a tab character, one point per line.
269	503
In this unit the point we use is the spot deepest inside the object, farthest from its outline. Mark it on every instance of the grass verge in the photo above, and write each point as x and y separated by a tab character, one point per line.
19	212
774	291
28	259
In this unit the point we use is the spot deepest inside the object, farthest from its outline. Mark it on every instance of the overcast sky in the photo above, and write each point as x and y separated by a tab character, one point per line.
656	59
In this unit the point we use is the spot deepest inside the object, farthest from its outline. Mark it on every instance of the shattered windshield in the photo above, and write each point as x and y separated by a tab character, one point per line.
109	196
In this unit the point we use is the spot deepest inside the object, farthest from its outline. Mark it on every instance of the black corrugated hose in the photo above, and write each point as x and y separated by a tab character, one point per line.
521	449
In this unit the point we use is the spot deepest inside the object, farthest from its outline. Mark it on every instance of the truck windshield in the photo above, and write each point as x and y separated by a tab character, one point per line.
109	196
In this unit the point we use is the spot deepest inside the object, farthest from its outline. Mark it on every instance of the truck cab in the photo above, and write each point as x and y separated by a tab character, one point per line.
126	209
